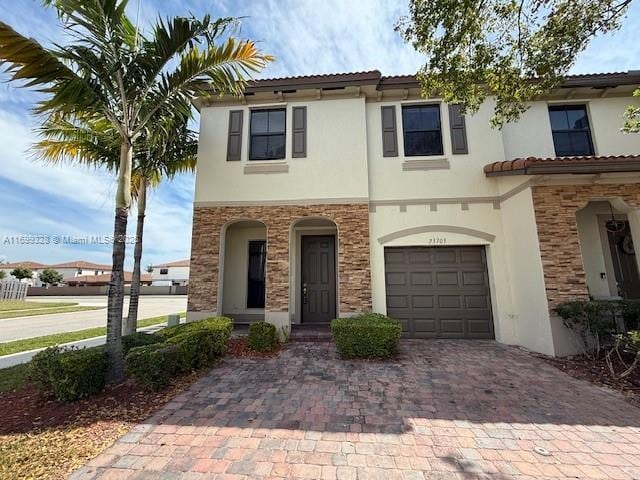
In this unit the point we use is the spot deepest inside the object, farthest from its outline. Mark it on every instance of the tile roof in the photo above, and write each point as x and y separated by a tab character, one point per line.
374	77
105	278
26	264
82	264
559	165
179	263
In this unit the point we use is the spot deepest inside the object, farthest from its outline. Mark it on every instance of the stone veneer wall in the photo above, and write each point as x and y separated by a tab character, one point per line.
555	209
354	272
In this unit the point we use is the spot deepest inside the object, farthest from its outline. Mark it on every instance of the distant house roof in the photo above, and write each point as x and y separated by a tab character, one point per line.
179	263
25	264
104	279
82	264
559	165
374	77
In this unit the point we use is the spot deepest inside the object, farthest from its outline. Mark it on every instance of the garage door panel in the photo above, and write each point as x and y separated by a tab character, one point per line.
395	257
473	278
397	279
439	291
476	301
451	326
416	257
421	301
397	301
447	278
445	255
449	301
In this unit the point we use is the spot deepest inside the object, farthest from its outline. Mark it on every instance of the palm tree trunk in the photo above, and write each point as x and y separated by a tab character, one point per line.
116	285
132	318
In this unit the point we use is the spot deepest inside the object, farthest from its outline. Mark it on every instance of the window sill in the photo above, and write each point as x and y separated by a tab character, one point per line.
438	163
266	166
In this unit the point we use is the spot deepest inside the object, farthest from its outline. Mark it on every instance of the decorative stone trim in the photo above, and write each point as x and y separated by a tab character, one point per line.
274	167
354	273
426	164
555	210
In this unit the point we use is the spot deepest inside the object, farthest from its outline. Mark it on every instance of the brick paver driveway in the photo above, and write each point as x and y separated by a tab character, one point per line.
443	409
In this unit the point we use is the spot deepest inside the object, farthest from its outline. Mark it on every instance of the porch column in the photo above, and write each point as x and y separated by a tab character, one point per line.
634	225
277	274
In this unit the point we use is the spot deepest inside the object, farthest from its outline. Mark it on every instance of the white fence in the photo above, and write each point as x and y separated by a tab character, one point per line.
12	290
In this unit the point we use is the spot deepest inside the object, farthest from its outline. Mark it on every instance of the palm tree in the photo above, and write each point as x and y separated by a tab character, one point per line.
167	151
112	71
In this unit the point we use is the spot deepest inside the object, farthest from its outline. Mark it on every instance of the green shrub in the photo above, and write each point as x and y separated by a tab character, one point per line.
200	343
153	365
138	339
593	321
70	374
220	324
369	335
262	336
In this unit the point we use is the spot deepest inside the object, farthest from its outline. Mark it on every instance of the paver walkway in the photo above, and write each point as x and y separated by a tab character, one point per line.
443	409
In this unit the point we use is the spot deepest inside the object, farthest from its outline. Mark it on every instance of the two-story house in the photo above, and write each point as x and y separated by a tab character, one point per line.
170	274
327	195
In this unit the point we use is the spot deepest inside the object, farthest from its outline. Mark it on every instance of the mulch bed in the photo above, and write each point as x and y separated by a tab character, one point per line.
598	373
41	438
239	348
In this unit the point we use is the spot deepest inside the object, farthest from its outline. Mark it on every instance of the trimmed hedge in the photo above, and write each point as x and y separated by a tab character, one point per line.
369	335
262	336
153	366
138	339
183	348
70	374
224	325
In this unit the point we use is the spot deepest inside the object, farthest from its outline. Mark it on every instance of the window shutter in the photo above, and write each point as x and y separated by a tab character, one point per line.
389	132
234	144
458	130
299	137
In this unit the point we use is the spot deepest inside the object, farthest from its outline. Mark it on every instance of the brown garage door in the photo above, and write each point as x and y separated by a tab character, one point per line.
439	291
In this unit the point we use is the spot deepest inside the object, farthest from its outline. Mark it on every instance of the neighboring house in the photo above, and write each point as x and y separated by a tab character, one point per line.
80	268
68	270
104	279
36	269
171	274
328	195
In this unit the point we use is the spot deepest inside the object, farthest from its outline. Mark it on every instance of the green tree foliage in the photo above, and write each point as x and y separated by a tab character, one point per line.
50	276
632	117
2	274
112	71
513	49
22	272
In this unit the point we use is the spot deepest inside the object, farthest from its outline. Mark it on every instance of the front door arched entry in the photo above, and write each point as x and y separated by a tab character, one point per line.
318	288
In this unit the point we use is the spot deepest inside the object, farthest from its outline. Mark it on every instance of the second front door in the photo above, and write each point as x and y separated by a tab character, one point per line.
318	287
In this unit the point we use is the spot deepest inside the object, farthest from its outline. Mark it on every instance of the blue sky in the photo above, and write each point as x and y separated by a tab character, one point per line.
306	36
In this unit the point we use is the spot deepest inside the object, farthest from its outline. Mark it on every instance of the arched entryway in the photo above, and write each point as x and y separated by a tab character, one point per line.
313	255
243	271
607	248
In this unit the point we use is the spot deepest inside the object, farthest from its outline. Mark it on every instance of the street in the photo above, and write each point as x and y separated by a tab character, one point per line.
27	327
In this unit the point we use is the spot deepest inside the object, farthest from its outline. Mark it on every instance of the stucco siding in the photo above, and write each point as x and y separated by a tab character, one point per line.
336	153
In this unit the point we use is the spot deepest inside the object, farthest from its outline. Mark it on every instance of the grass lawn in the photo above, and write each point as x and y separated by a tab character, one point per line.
8	305
43	311
13	378
16	346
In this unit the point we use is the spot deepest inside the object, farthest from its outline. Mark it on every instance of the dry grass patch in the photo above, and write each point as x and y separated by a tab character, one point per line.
42	439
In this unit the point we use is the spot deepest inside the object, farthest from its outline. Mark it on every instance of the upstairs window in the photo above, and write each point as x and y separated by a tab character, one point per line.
422	130
571	132
267	134
164	271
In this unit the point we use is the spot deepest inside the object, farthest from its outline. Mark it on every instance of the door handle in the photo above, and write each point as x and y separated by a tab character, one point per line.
304	293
